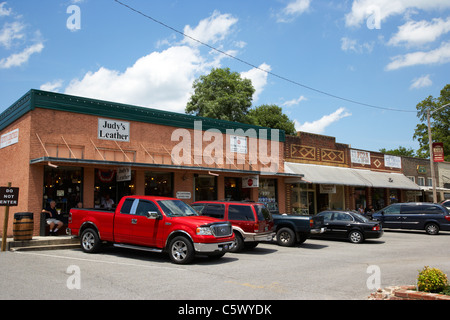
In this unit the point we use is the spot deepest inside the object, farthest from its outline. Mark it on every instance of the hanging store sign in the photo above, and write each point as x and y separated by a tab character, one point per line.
9	138
438	152
250	182
392	161
361	157
328	188
123	174
113	130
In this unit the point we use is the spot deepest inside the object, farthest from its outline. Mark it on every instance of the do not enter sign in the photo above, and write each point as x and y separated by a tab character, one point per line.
9	196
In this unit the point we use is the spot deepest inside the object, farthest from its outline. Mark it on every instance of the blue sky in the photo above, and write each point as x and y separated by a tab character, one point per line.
386	53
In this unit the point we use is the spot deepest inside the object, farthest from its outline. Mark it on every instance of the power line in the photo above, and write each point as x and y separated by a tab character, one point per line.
258	68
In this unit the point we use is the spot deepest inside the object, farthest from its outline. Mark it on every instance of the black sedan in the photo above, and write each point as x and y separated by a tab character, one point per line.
349	225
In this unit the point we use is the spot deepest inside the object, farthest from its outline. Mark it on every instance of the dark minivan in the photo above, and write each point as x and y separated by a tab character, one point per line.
420	216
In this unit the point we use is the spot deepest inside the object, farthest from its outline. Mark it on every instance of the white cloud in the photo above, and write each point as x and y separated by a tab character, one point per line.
259	79
210	30
348	44
383	9
421	82
440	55
160	80
293	9
10	32
417	33
17	59
294	102
320	125
53	86
4	11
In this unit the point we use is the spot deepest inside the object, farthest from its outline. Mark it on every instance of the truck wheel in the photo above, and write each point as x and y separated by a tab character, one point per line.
286	237
90	241
181	250
238	243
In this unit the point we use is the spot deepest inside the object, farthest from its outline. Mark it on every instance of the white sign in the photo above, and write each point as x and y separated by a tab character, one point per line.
361	157
113	130
124	174
392	161
185	195
9	138
238	144
328	188
250	182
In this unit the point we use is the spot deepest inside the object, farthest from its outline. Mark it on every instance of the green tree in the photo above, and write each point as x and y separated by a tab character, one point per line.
440	123
222	94
400	151
271	116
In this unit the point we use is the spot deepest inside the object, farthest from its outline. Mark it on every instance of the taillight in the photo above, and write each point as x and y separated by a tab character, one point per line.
447	218
376	228
70	217
311	223
256	228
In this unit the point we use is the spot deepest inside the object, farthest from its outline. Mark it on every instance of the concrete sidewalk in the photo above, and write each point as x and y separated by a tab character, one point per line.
43	243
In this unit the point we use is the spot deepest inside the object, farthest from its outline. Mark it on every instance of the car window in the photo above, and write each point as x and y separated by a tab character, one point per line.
262	212
126	207
326	215
199	207
241	213
144	207
393	209
215	211
413	209
433	210
341	216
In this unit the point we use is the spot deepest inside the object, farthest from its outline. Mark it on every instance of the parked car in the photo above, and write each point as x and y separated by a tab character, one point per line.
349	225
251	221
445	203
294	229
430	217
155	224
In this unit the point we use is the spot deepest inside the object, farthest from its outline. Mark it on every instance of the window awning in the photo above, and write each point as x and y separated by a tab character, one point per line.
347	176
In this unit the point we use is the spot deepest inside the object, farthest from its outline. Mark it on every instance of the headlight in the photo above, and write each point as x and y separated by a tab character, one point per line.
204	231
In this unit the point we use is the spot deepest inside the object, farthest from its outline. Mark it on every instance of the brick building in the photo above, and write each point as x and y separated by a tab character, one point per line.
339	177
72	149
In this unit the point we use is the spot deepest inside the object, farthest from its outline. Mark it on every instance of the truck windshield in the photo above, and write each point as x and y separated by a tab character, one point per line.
176	208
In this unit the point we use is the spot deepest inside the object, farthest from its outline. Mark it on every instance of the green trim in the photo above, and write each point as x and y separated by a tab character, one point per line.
63	102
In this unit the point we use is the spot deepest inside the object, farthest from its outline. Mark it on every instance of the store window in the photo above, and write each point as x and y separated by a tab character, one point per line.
63	185
107	188
267	194
378	200
159	184
234	190
205	187
303	199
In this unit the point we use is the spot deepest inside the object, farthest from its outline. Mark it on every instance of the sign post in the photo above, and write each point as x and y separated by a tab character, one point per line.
8	197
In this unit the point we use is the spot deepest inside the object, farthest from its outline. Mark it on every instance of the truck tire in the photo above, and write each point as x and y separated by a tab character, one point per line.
238	243
286	237
90	241
181	250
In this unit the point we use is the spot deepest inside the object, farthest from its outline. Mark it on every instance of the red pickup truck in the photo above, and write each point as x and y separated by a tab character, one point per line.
156	224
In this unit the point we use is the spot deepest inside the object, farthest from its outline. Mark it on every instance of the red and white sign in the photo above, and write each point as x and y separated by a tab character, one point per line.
438	152
250	182
9	138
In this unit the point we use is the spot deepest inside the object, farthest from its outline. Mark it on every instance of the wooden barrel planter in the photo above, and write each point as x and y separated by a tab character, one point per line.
23	226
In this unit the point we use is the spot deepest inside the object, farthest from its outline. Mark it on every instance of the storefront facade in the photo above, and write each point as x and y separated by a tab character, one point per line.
337	177
77	150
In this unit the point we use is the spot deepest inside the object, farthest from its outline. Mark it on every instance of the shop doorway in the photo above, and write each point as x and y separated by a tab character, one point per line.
107	188
234	190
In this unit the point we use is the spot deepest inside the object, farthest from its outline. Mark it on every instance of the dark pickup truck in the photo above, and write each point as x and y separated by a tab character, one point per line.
292	229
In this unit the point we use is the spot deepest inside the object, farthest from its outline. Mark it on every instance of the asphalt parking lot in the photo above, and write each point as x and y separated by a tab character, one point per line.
317	269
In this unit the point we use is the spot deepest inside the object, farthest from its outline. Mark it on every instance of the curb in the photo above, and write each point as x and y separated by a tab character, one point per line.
405	293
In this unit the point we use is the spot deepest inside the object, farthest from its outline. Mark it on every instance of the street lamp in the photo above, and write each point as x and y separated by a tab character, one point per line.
430	143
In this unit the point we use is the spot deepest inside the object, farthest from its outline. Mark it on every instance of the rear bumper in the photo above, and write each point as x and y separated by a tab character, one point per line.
213	247
257	237
318	230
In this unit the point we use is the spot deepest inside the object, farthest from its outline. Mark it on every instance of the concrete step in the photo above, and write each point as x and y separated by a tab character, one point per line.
44	243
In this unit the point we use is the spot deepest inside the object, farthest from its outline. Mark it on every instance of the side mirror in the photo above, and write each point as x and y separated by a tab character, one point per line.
153	215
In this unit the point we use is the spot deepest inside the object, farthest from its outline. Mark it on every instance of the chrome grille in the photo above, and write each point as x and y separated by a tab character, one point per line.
222	230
